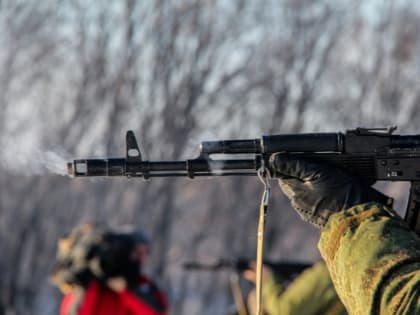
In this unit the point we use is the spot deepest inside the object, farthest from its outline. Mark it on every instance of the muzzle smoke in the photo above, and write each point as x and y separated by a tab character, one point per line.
29	159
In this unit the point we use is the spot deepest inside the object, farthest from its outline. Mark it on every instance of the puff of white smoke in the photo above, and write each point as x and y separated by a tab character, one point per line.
29	159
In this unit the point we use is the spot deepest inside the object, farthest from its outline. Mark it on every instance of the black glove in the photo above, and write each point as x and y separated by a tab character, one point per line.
318	190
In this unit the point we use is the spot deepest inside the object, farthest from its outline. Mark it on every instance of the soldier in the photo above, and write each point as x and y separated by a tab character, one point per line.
310	293
98	270
145	287
372	256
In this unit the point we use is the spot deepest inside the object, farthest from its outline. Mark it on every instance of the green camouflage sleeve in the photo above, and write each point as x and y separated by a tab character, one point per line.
374	260
311	293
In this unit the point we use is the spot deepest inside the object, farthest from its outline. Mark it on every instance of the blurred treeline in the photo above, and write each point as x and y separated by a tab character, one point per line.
76	74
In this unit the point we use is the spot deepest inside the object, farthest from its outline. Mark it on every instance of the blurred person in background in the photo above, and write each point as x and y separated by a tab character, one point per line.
310	293
145	287
372	254
99	272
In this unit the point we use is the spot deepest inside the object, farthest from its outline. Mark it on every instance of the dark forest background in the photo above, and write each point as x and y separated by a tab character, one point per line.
76	74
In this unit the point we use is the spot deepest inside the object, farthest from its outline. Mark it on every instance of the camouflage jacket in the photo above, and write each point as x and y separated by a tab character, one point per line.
374	260
311	293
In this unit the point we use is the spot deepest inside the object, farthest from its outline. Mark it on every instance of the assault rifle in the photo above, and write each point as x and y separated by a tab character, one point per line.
371	154
286	270
282	270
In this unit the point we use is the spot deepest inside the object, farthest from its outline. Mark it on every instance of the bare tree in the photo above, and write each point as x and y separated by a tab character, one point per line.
77	74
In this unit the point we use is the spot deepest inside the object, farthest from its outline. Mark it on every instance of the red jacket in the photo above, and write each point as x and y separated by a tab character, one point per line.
144	299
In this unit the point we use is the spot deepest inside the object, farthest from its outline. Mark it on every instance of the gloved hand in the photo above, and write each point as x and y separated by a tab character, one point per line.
317	190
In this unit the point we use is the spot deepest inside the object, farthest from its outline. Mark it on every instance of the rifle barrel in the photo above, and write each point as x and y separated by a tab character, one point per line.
284	268
186	168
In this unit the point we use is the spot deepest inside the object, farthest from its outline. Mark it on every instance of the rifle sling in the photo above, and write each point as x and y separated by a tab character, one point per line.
262	175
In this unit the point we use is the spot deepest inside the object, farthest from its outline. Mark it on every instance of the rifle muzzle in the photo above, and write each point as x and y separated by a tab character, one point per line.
96	167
